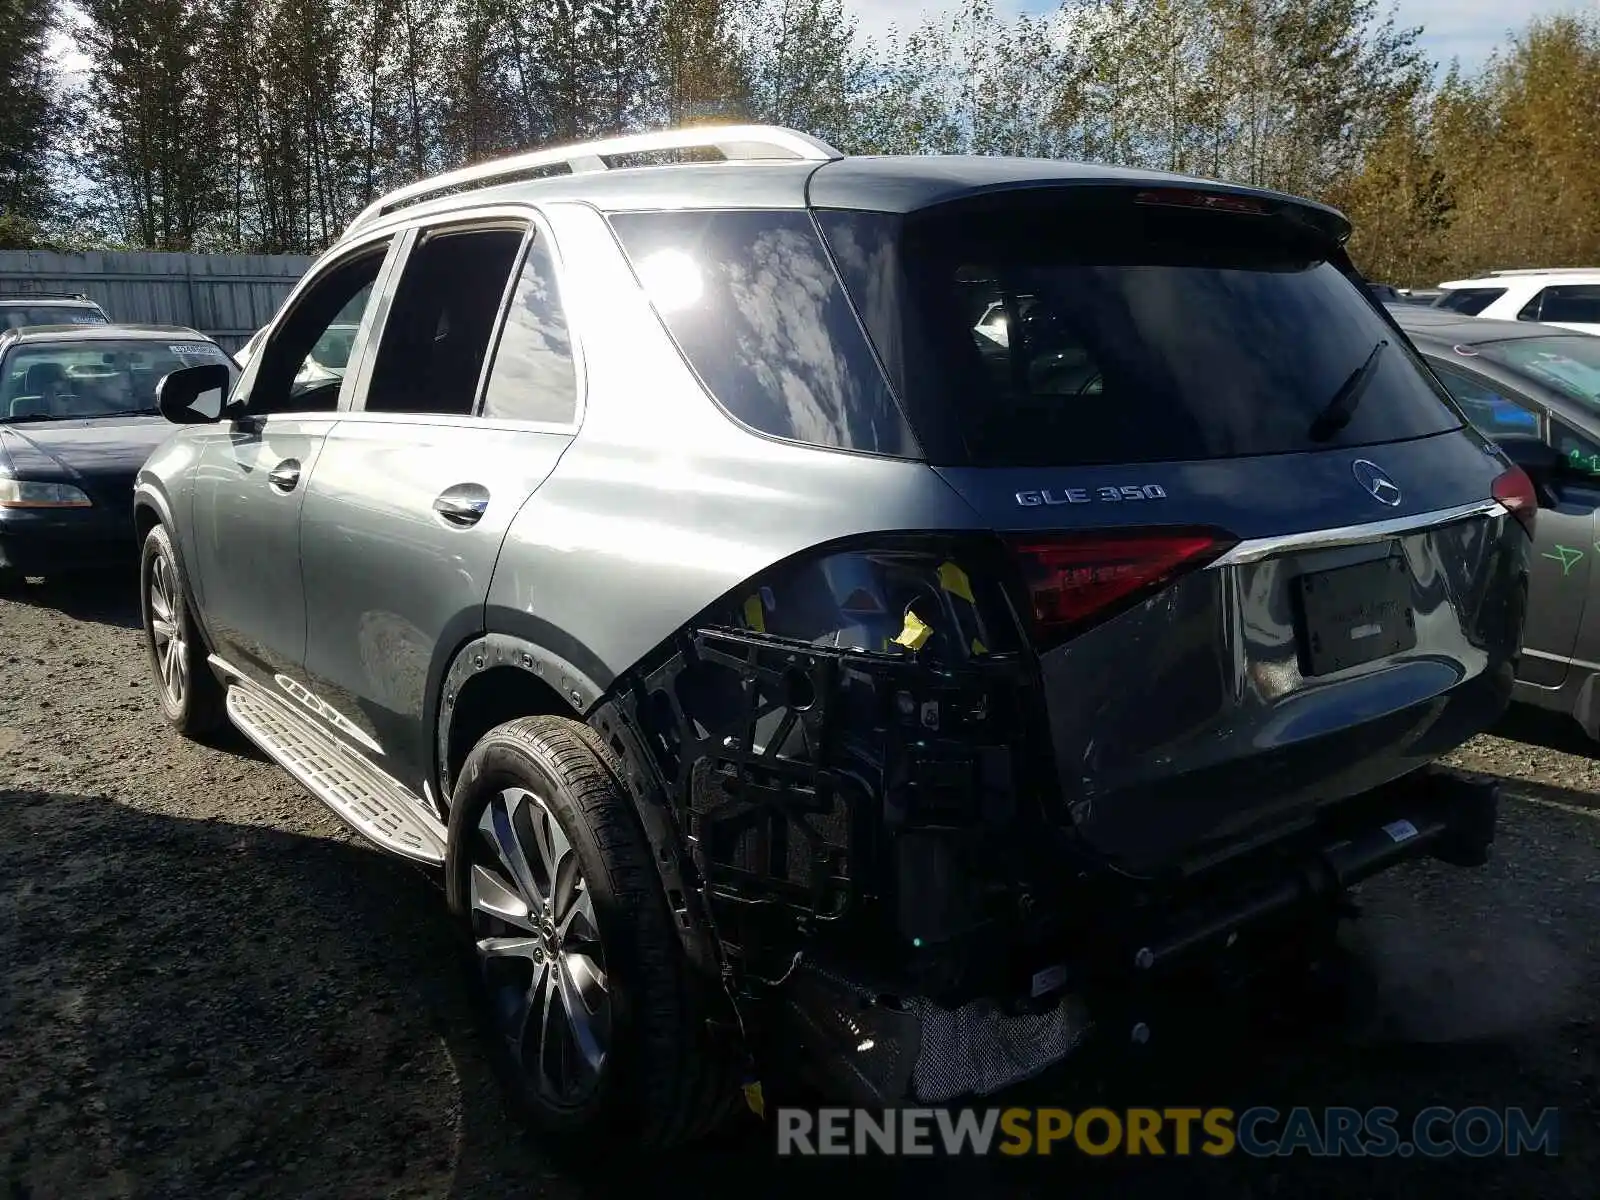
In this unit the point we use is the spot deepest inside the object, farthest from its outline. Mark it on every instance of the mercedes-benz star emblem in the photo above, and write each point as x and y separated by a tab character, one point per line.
1370	476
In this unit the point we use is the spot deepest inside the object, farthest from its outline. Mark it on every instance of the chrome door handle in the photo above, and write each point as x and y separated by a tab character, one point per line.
285	475
463	505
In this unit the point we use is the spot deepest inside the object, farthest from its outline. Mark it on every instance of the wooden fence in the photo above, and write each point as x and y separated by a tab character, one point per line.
226	296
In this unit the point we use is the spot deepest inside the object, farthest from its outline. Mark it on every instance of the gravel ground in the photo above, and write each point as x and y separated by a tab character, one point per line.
211	988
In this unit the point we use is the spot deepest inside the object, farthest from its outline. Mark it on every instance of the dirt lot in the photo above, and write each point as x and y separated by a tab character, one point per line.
208	987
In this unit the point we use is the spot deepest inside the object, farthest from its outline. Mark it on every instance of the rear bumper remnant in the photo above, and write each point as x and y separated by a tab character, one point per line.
1432	813
862	1045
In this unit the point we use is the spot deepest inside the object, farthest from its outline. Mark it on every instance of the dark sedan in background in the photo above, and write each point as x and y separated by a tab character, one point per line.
77	420
1541	382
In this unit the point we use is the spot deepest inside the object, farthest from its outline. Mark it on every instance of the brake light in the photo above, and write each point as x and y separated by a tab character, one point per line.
1076	580
1215	201
1516	494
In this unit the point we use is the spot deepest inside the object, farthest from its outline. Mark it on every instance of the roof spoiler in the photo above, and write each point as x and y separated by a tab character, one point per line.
1327	225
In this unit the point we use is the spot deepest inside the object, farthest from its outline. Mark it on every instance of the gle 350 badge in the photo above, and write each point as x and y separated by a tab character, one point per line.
1120	494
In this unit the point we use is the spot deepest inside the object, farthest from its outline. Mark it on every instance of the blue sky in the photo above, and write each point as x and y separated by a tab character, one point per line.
1468	29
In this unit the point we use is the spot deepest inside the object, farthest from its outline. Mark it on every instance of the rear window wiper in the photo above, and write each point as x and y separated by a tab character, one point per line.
1336	414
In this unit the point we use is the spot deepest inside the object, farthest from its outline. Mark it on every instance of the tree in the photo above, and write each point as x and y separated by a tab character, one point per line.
480	107
32	119
802	65
1400	203
617	41
902	108
1491	170
699	72
1545	135
969	83
264	125
145	139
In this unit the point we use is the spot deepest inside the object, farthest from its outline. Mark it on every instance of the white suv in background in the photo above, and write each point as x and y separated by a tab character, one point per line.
1569	297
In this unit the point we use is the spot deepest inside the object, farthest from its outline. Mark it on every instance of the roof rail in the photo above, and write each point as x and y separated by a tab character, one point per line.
42	296
750	143
1549	271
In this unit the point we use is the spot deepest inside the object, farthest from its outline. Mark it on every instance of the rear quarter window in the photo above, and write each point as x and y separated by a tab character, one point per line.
757	310
1040	336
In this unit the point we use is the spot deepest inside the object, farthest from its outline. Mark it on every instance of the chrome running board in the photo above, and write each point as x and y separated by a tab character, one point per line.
381	809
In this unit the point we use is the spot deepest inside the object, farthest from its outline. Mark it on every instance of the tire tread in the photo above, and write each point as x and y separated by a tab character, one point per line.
686	1088
205	706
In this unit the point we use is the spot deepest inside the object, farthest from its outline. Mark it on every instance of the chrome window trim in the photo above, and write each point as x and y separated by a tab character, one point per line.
408	229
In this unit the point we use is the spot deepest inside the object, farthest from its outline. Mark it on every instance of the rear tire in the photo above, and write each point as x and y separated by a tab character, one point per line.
551	878
191	699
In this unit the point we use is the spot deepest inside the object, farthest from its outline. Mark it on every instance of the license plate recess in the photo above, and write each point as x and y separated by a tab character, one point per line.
1355	615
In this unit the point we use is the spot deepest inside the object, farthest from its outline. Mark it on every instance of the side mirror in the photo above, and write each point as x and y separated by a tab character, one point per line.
194	395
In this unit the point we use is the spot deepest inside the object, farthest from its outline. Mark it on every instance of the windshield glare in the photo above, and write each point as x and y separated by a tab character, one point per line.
1571	365
61	381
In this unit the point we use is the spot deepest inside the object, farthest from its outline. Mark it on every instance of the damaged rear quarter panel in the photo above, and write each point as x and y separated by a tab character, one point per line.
663	504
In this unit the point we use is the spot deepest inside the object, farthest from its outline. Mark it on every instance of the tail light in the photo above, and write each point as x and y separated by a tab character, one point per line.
1077	580
1517	495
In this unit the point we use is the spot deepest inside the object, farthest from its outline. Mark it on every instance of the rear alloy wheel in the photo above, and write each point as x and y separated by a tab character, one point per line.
596	1024
191	698
539	948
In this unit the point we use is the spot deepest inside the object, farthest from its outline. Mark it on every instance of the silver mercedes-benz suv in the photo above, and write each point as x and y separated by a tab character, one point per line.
871	618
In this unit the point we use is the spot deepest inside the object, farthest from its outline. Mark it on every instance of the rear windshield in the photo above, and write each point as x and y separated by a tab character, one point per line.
1570	365
15	316
1016	338
1469	301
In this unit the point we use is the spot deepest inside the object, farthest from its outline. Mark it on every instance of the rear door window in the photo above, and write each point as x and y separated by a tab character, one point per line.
533	377
1035	336
1570	303
1492	410
442	319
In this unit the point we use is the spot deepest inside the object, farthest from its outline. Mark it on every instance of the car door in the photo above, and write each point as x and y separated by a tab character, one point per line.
466	402
1561	569
249	482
